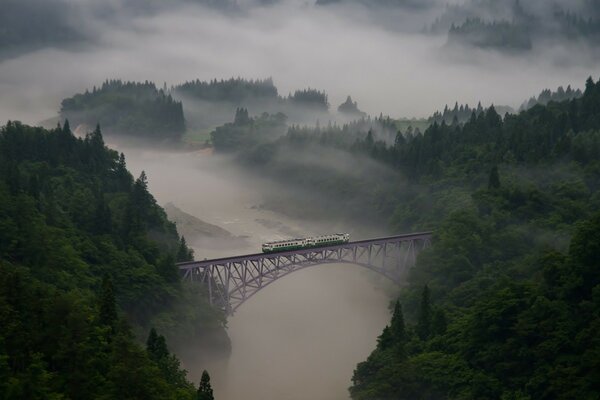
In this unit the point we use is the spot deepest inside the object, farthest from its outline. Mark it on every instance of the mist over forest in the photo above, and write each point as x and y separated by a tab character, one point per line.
138	136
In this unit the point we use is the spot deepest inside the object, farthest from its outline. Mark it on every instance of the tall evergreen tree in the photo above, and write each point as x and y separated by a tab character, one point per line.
184	253
156	346
424	322
385	340
205	391
397	327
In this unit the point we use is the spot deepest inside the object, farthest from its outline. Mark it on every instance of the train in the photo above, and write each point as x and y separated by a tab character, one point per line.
305	243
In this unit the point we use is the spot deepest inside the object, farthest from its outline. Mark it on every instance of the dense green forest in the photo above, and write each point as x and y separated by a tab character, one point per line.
87	264
242	92
233	90
504	305
128	108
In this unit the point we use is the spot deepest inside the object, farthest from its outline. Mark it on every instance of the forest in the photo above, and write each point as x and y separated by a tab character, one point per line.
87	273
233	90
129	108
547	95
505	302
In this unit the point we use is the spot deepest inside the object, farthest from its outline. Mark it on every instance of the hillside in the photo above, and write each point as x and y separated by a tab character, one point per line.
505	302
132	109
87	261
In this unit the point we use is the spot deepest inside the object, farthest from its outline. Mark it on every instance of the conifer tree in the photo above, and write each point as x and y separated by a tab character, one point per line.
385	340
205	391
156	346
424	322
184	253
397	328
66	127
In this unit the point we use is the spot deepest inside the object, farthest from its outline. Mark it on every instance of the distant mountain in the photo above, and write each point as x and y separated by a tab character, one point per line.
514	25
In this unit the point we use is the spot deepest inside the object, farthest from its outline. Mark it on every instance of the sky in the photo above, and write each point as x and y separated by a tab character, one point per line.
401	73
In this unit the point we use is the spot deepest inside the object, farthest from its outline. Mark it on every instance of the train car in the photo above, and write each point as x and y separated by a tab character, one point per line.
305	243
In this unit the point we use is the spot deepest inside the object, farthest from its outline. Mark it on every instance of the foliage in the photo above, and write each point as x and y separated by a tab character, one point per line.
83	248
205	391
505	303
128	108
547	95
455	115
233	90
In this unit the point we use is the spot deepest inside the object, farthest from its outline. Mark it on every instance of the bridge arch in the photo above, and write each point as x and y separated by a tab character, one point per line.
232	281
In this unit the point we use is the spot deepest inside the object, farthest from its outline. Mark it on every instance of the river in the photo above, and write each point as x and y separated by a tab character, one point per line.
303	335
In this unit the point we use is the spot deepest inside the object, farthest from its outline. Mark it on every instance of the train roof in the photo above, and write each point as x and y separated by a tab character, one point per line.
310	237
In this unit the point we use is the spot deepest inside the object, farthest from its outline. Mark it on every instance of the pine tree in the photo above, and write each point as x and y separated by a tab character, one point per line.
397	328
156	346
424	322
398	331
205	391
67	127
184	253
589	86
385	340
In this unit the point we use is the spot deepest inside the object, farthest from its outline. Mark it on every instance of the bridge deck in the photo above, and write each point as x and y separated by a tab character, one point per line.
256	256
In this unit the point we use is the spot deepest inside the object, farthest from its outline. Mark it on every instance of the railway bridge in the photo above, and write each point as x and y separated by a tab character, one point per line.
230	281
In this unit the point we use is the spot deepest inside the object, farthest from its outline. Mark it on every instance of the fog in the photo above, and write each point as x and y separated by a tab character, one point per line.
400	74
302	336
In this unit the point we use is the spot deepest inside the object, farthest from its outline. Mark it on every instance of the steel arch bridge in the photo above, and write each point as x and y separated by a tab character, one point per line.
231	281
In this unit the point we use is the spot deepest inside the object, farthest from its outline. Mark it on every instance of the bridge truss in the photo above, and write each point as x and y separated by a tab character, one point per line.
233	280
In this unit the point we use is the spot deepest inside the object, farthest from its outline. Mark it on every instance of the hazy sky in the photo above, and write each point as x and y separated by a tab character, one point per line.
300	46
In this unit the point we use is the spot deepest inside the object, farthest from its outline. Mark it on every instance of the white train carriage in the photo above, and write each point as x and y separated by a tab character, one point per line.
315	241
